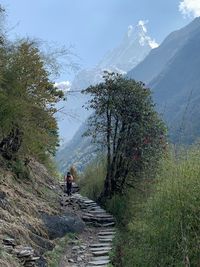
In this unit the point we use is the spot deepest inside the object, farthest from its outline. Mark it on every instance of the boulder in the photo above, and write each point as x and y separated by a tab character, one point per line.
58	226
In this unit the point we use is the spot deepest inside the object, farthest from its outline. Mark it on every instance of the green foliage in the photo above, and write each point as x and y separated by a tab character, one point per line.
126	124
20	169
92	182
27	102
166	230
54	256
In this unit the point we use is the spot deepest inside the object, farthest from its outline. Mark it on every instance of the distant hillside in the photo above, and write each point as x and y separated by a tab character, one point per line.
175	81
78	152
159	57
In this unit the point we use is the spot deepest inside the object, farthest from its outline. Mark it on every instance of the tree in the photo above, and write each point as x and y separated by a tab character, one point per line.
125	123
27	102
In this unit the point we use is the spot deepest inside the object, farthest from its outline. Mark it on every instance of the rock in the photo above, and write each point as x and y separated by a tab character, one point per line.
100	258
43	243
101	249
99	262
71	260
9	242
79	259
75	248
101	253
58	226
83	247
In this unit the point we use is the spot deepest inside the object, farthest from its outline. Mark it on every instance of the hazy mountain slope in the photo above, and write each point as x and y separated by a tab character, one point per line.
158	58
78	152
134	47
177	91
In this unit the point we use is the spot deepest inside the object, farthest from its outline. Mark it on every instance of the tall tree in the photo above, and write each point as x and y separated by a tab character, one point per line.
126	124
27	102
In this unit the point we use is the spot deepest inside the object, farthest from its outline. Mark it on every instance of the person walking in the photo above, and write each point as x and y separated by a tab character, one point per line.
68	180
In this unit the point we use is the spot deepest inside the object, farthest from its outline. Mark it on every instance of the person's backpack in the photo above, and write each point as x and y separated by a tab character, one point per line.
70	179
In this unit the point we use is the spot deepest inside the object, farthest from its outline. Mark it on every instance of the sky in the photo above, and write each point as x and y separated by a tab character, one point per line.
93	27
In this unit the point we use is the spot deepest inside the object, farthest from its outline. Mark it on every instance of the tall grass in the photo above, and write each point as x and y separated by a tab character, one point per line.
159	220
92	181
166	232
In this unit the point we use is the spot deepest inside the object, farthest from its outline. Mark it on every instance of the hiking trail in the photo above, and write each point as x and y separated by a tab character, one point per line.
92	247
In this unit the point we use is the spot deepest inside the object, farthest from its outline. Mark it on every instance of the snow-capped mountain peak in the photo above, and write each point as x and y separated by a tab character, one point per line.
134	47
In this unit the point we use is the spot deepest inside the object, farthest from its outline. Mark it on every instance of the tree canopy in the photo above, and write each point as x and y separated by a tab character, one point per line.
27	102
126	124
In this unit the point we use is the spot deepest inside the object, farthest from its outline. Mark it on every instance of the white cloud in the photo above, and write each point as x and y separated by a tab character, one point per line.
64	86
190	7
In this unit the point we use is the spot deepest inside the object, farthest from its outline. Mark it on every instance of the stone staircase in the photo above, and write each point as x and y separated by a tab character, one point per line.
96	217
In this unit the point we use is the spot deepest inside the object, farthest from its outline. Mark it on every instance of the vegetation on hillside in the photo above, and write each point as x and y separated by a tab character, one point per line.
27	102
158	220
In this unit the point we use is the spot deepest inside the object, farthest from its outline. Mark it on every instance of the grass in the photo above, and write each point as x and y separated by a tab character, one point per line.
6	260
92	182
159	220
166	230
54	257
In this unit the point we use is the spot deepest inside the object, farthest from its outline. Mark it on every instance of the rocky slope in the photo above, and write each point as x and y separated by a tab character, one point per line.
30	214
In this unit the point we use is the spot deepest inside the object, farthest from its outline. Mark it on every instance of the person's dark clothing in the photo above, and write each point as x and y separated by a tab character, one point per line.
69	188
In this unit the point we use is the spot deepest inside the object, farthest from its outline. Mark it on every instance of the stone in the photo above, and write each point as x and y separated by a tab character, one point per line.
100	249
100	258
75	248
71	260
79	259
99	262
59	226
101	253
106	233
106	236
107	240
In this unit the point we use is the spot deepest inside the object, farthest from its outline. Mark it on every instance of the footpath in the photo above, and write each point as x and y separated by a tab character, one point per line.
93	246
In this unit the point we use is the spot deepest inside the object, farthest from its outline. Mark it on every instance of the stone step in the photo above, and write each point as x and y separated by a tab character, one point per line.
106	236
98	219
101	249
107	240
101	253
101	258
99	262
97	245
105	224
107	233
105	216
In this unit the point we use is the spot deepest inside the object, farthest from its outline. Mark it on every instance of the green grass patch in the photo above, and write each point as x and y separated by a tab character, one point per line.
54	257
